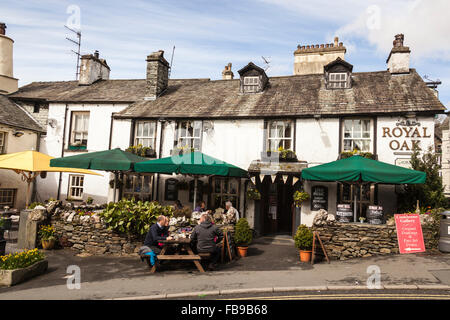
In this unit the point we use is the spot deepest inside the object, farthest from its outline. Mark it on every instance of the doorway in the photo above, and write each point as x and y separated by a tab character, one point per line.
276	206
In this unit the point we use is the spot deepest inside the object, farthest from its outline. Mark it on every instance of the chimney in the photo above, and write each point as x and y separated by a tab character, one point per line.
398	60
227	74
311	59
8	83
92	69
157	75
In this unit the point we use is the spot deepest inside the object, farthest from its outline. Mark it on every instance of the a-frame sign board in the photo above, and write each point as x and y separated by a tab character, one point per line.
318	250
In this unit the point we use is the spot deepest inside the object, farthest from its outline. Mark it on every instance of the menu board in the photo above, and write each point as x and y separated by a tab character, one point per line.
409	233
319	198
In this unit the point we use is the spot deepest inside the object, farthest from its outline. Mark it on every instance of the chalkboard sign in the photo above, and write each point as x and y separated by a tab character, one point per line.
374	214
318	250
171	190
319	198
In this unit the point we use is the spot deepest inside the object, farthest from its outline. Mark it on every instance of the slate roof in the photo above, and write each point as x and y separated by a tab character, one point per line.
126	91
12	115
299	96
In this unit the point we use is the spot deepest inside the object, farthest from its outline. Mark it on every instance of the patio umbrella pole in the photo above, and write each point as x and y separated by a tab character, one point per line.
195	190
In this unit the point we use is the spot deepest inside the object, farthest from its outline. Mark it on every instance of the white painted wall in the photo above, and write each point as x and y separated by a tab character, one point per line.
96	187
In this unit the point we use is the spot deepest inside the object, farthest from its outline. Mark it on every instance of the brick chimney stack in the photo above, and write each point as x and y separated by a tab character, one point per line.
311	59
8	84
398	60
227	74
157	75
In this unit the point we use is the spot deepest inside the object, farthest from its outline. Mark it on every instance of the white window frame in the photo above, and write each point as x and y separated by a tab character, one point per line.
251	84
8	197
337	80
76	187
84	133
353	135
277	139
146	139
186	139
3	136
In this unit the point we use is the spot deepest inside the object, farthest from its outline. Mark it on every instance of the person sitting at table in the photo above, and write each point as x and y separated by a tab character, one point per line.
177	205
205	236
201	206
157	232
232	215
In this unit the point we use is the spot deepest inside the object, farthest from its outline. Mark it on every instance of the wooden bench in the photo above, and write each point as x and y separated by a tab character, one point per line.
179	257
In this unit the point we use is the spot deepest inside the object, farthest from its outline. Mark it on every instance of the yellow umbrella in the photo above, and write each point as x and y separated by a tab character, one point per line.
31	163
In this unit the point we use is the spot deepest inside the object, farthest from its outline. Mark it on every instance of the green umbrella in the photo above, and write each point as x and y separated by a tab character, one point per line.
194	163
357	169
108	160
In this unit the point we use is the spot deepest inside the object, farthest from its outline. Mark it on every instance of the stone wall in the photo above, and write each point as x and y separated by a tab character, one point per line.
90	234
351	240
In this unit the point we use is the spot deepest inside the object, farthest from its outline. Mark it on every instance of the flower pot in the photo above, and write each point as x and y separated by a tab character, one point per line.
48	244
242	251
305	255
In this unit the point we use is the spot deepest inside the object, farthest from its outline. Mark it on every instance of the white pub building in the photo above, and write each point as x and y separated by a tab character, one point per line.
321	113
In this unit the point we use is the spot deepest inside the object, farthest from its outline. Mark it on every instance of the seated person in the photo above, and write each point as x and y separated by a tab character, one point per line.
232	215
205	235
177	205
201	206
159	231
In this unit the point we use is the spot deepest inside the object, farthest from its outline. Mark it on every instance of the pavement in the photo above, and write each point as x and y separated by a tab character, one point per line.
272	266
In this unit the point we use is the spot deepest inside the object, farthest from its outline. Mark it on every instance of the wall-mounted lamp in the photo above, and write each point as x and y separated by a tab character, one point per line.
317	117
18	134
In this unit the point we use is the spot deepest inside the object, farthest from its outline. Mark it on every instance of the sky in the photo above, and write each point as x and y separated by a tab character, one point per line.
208	34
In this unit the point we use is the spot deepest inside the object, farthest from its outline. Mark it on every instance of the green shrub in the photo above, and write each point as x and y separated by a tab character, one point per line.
133	217
303	238
243	234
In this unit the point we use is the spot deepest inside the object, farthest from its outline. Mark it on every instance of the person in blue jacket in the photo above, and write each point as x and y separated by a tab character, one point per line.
157	232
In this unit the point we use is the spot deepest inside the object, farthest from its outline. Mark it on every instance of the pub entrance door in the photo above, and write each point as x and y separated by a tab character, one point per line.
277	206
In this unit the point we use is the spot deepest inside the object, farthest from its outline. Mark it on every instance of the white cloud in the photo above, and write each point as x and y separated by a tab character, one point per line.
425	25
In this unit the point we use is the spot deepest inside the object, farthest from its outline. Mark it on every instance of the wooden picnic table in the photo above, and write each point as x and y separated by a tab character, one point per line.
184	243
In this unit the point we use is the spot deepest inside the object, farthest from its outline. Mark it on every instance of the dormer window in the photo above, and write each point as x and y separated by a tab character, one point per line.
338	74
253	79
251	84
337	80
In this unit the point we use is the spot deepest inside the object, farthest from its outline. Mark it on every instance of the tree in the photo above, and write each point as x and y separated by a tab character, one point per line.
429	194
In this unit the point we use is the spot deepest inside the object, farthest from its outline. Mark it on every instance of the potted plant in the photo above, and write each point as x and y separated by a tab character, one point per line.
253	194
242	236
362	219
47	235
299	197
303	241
287	155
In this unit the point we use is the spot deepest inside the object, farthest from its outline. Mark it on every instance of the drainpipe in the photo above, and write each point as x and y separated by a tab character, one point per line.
62	150
163	122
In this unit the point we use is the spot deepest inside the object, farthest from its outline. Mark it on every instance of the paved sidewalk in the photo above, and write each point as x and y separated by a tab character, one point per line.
273	265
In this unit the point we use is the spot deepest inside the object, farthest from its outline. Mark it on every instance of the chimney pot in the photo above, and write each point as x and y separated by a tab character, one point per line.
227	74
2	28
398	42
398	60
96	54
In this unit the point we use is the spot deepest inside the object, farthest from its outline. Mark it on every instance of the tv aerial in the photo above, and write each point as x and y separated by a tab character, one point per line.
266	61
